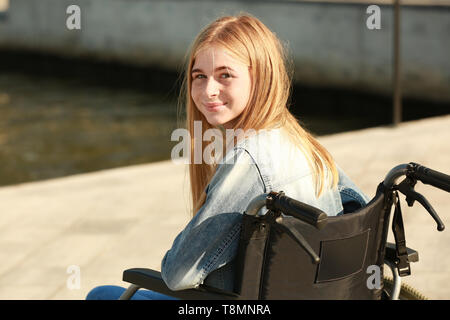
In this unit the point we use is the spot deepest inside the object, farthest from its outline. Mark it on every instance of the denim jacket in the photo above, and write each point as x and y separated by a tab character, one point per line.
204	251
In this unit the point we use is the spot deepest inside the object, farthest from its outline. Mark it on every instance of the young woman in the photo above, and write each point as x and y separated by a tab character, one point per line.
237	83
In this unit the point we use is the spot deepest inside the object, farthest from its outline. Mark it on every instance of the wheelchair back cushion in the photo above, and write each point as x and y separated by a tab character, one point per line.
272	265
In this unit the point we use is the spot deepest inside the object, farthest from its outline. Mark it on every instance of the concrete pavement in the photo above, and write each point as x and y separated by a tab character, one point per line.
104	222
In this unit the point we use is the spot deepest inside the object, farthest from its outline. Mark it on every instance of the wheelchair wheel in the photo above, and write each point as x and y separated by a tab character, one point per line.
406	292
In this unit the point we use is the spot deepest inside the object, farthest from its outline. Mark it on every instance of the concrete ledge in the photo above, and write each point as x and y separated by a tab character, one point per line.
329	41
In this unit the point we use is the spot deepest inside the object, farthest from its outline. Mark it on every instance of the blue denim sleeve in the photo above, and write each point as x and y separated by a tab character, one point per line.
210	239
352	197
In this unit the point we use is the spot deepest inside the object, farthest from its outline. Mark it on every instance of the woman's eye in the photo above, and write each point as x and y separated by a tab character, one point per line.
223	76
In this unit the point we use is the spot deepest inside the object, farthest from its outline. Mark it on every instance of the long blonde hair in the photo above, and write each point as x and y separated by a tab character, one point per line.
251	42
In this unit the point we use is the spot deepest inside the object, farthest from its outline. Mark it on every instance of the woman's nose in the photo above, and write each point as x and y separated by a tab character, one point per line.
212	87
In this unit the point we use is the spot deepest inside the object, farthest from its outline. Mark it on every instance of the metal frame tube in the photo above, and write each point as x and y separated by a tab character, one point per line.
397	99
394	174
129	292
256	204
397	280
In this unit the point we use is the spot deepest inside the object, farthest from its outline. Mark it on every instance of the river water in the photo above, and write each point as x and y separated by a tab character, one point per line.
50	128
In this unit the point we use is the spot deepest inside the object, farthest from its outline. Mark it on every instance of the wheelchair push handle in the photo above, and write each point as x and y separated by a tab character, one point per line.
429	176
416	171
413	172
278	201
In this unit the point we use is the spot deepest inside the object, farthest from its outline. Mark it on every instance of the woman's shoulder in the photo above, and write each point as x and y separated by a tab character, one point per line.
237	168
275	155
270	146
259	140
249	145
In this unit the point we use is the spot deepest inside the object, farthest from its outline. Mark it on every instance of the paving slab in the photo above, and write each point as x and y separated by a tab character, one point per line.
61	237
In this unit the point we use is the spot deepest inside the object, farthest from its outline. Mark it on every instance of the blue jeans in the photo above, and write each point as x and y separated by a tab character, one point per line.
114	292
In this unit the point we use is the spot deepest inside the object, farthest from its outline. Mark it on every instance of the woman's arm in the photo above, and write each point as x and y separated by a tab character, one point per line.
352	197
210	239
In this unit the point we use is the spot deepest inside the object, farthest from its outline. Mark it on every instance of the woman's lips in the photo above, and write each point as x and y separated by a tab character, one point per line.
215	106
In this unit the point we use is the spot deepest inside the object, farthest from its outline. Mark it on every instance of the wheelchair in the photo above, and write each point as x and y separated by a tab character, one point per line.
295	251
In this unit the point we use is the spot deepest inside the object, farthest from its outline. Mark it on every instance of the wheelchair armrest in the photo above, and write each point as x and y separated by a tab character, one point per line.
413	255
152	280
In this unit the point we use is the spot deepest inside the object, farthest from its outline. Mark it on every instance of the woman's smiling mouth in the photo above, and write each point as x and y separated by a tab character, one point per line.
214	106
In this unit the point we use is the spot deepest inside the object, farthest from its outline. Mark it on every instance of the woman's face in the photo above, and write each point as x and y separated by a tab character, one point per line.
220	86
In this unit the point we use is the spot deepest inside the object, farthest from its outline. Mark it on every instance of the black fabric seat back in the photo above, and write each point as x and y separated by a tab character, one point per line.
272	265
